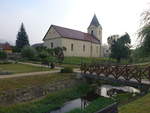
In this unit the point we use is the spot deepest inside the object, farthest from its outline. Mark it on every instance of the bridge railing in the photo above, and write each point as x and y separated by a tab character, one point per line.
126	72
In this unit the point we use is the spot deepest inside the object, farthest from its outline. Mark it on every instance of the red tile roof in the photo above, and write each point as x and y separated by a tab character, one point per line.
74	34
5	46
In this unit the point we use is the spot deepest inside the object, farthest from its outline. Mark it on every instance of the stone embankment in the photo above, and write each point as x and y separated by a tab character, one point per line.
35	92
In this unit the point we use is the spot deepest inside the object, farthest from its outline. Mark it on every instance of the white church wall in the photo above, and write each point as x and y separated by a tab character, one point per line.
78	48
56	43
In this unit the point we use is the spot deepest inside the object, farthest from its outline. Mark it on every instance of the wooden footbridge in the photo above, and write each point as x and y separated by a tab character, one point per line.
124	73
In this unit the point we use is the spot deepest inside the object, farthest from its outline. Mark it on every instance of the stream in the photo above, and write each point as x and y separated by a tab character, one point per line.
103	90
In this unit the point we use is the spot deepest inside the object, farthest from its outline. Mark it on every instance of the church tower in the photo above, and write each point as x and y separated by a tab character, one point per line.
95	29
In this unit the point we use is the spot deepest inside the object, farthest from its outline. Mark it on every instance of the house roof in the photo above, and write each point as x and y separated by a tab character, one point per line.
5	46
75	34
37	45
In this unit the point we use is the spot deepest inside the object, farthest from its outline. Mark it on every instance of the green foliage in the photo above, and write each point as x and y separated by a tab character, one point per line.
96	105
140	105
123	97
52	101
120	48
145	43
144	33
80	60
43	54
21	68
22	38
51	55
67	70
59	53
3	55
28	52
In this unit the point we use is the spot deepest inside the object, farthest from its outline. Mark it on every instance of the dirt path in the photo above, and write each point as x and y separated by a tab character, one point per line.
28	74
38	65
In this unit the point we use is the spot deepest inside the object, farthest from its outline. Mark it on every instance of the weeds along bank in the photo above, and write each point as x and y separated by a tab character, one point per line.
22	89
50	102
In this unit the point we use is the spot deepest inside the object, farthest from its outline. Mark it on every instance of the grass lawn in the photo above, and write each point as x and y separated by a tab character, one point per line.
141	105
21	68
22	82
79	60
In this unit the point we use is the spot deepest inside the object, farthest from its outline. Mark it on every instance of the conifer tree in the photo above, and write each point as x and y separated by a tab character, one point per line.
22	38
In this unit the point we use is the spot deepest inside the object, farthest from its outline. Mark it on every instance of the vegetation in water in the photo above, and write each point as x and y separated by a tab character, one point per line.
94	106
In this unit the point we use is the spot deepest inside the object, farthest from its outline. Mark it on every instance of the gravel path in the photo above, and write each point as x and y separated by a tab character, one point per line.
28	74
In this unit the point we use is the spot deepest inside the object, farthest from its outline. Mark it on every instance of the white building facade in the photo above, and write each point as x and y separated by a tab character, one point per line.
77	43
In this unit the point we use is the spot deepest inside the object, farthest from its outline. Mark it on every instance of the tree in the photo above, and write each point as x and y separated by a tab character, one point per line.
59	54
120	48
3	55
28	52
144	33
22	38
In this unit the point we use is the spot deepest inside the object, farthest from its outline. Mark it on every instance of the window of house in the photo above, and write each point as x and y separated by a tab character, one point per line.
84	48
71	47
52	45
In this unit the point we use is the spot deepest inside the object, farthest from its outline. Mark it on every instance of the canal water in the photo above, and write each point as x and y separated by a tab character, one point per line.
84	101
76	103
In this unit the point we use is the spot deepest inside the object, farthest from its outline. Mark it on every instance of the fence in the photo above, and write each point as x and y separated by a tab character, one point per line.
126	72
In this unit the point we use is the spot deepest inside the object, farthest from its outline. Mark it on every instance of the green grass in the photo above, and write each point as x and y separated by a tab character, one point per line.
79	60
23	82
141	105
51	102
94	106
21	68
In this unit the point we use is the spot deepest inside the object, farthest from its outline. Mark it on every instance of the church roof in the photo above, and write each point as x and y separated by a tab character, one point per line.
95	21
75	34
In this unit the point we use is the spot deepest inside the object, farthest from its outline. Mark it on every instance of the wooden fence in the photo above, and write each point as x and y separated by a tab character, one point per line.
126	72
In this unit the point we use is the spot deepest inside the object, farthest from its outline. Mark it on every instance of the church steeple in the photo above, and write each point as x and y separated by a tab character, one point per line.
95	21
95	28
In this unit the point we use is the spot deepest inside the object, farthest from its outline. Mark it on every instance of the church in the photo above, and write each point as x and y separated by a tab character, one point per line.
77	43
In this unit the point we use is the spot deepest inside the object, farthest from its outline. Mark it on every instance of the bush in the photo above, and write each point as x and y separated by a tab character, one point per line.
5	62
28	52
67	70
3	55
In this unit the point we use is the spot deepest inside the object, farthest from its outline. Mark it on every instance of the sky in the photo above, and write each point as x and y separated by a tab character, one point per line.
115	17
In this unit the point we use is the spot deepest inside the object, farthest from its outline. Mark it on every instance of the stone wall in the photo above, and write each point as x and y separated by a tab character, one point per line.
26	94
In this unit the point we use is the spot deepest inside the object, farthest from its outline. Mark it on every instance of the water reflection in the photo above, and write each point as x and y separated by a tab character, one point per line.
76	103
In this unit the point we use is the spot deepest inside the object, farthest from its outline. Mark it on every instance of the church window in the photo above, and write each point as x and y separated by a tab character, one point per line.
92	32
97	49
52	45
71	47
84	48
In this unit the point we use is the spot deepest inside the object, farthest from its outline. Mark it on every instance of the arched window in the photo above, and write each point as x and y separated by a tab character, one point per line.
92	32
71	47
52	45
83	48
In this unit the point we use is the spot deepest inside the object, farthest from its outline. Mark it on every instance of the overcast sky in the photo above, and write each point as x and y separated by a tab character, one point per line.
115	16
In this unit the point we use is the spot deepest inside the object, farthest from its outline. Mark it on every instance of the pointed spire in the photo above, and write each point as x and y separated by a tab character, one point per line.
95	21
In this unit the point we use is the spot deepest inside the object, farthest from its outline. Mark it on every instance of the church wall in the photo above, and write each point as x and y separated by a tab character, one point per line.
78	48
51	34
56	43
